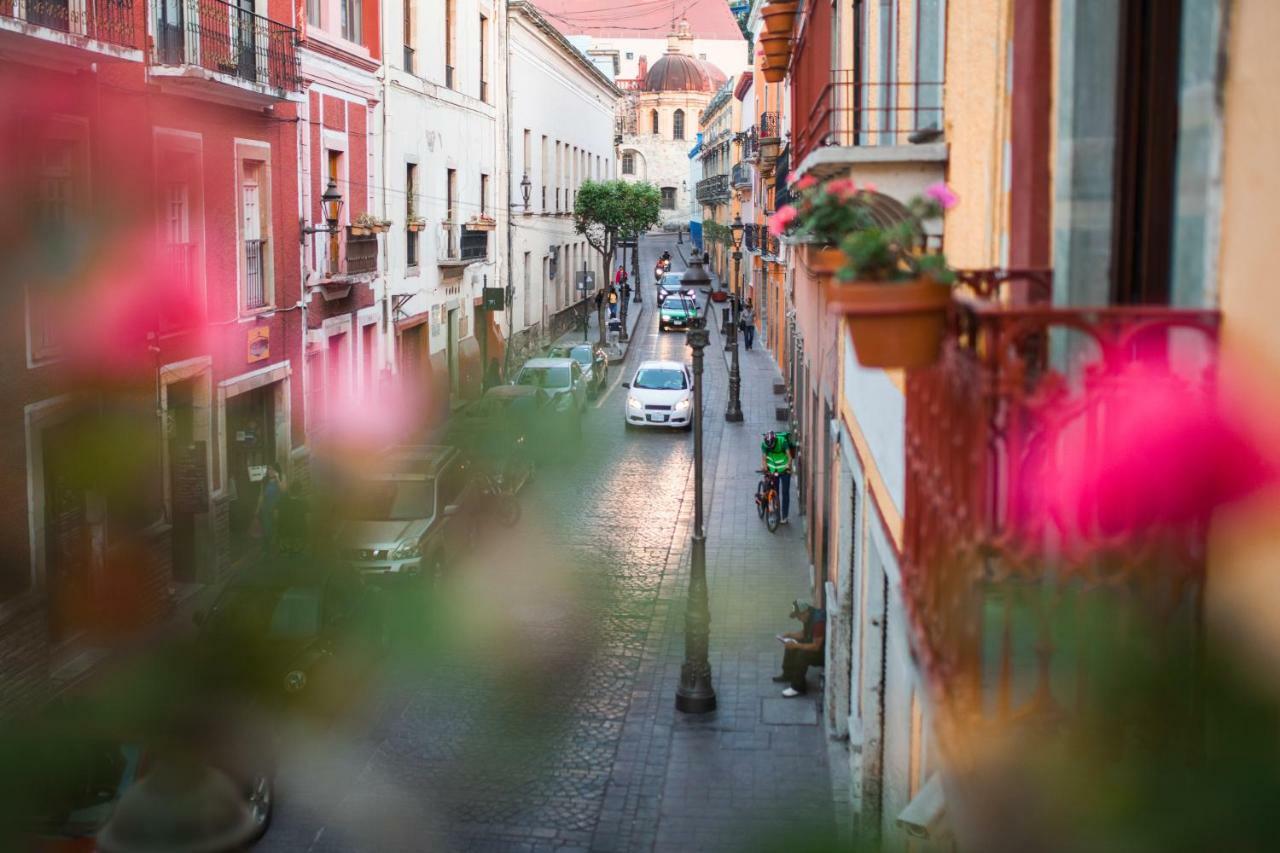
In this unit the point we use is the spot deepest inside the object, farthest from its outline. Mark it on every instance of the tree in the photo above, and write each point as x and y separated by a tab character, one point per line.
607	211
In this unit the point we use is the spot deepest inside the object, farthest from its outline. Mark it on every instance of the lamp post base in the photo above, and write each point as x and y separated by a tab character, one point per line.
733	415
695	695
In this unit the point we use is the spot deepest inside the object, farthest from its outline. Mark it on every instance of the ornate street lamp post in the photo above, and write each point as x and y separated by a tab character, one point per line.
733	412
695	695
623	337
635	268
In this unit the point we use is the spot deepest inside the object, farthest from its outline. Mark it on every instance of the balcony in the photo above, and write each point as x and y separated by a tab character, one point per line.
70	29
713	190
741	177
255	274
463	246
988	583
361	254
217	51
751	237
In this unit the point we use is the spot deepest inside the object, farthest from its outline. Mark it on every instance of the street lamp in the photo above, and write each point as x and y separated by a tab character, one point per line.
623	337
635	267
331	204
526	187
695	695
733	412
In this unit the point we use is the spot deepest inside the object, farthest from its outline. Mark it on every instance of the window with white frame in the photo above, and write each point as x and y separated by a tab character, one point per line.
254	263
628	163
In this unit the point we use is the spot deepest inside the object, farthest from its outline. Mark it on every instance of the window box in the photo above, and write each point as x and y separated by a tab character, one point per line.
416	223
482	223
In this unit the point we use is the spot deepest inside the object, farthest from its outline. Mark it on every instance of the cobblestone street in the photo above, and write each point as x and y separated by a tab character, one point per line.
555	727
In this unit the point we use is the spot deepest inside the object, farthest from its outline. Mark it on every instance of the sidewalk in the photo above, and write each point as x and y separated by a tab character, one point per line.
753	774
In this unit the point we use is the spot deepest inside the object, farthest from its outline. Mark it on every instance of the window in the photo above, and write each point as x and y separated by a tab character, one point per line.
668	198
628	164
653	122
451	193
252	202
528	166
630	55
351	24
410	208
484	195
313	12
409	41
558	177
546	166
677	125
528	289
484	58
448	43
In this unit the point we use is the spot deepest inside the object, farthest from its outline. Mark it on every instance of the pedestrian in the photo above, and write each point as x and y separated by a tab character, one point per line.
613	302
747	324
802	649
269	497
599	299
620	276
778	453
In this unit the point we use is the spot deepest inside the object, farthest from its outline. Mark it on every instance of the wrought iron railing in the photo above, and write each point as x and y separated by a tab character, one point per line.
220	37
255	273
475	244
782	172
741	175
1017	386
769	125
847	112
751	145
109	21
750	237
362	254
713	190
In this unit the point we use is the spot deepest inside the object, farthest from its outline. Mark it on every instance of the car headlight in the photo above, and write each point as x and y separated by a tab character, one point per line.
681	405
295	681
407	551
633	403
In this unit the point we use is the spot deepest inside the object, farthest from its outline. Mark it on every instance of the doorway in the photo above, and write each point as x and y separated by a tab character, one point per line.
251	446
180	407
68	537
452	340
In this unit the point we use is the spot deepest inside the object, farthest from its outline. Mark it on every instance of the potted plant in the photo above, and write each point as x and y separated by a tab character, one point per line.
482	222
415	223
779	17
818	220
367	224
893	289
776	47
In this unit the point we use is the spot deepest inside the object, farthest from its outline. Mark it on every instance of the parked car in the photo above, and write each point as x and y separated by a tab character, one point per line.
503	433
677	312
398	519
660	394
593	360
563	380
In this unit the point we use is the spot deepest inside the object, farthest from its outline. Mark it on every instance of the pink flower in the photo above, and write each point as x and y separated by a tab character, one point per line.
868	187
942	194
842	188
805	183
1156	457
781	218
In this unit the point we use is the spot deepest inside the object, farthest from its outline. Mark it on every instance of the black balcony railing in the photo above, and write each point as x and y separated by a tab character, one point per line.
751	145
475	244
751	237
362	254
255	273
102	20
847	112
220	37
713	190
782	171
741	176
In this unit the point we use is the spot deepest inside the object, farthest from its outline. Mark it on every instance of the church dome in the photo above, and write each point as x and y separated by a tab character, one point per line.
679	72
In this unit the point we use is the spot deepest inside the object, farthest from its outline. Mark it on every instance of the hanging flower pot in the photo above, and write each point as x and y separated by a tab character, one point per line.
892	324
776	47
774	74
823	261
779	18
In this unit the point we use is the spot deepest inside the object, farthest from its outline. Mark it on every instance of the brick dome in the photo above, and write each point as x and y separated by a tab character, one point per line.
679	72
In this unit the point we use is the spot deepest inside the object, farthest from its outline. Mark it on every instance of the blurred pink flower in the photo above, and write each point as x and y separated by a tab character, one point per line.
943	195
868	187
1151	455
805	183
842	188
781	218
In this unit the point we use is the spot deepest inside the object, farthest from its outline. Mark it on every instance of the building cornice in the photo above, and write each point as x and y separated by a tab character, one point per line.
531	13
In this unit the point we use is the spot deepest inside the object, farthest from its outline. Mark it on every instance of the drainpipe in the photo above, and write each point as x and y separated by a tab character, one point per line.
506	129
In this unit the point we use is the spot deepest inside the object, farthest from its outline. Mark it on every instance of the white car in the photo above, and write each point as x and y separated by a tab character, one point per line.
660	394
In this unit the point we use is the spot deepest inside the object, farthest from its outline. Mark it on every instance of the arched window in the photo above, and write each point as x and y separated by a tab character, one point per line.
668	198
653	118
628	163
677	125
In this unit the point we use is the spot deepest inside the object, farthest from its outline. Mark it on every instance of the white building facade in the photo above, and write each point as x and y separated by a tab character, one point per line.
559	132
441	167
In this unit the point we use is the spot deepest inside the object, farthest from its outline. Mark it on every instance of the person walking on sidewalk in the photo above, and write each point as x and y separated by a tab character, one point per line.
613	302
803	648
778	452
747	324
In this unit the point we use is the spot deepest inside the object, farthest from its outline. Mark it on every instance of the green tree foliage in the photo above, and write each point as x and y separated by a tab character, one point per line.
607	211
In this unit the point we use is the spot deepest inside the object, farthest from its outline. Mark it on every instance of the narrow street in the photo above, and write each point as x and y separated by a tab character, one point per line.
544	718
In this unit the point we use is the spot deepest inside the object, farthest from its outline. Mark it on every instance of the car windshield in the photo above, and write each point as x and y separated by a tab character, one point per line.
395	500
287	612
671	281
582	355
660	379
680	304
544	377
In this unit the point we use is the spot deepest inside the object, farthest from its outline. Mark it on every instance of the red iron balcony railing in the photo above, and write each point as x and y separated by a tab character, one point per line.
110	21
220	37
1021	385
849	113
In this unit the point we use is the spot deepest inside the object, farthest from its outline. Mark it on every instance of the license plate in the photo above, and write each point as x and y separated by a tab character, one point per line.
658	419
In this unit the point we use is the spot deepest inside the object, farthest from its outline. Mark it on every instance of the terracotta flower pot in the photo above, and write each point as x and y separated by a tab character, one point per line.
823	261
774	73
779	18
776	47
892	325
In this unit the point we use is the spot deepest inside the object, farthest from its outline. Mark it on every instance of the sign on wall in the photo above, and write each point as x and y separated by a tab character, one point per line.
259	344
586	280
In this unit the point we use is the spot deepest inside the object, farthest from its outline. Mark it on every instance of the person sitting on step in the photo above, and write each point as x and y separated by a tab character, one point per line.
803	648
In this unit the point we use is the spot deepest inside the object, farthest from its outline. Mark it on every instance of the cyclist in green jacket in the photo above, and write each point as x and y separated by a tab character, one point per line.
778	451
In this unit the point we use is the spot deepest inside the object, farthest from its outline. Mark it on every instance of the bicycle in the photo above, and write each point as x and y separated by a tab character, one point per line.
767	505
